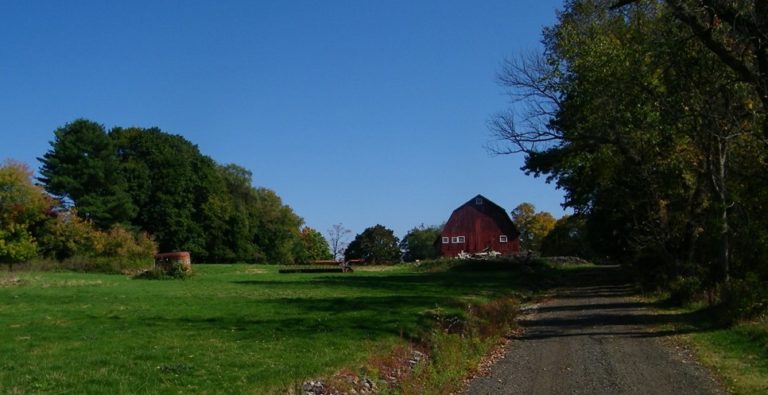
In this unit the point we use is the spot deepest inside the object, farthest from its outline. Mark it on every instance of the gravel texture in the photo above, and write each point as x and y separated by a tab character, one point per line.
595	339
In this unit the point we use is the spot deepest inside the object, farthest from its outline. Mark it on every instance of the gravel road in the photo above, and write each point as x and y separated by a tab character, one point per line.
594	339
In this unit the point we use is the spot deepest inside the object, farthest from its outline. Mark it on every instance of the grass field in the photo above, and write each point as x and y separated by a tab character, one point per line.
229	328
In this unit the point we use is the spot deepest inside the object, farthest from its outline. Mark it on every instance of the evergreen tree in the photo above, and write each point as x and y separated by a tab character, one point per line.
82	169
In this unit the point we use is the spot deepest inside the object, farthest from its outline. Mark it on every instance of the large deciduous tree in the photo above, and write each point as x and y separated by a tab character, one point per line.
376	245
421	243
313	246
162	184
567	238
656	138
276	229
735	31
533	226
23	207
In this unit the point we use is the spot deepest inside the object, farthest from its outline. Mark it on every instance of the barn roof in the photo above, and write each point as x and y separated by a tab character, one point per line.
494	211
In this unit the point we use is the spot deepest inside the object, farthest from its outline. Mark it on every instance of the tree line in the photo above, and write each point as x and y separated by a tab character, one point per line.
108	200
651	116
539	233
146	181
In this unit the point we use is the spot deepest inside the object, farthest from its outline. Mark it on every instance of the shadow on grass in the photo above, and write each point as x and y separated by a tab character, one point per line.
401	304
456	281
355	318
591	302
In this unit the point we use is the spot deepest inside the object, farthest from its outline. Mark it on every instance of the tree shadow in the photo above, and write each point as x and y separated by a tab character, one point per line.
596	309
605	310
597	306
445	282
352	317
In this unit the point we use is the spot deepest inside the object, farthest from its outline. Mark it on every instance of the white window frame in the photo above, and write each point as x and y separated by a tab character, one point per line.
446	239
460	239
503	239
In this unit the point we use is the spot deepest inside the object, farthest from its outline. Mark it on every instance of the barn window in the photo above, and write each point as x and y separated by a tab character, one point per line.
503	239
459	239
446	240
479	201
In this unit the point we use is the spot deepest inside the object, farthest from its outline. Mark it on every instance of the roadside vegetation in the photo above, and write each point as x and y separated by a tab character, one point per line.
652	117
738	355
735	351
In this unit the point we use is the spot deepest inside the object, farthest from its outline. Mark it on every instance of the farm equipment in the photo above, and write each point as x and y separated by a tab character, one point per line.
322	266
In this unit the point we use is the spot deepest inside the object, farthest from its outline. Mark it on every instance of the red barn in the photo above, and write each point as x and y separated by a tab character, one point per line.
479	225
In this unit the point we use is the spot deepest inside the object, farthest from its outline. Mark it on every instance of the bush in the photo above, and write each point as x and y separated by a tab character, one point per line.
458	344
495	318
122	244
746	299
174	272
67	235
108	265
77	245
684	290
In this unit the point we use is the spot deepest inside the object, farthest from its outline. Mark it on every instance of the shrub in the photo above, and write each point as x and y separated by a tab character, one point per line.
102	264
457	345
68	235
121	243
175	271
683	290
16	245
747	298
495	318
77	245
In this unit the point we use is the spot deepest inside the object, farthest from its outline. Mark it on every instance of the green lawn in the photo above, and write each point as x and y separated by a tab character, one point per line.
736	354
739	355
229	328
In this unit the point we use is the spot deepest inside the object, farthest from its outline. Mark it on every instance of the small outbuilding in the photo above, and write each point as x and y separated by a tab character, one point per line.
479	225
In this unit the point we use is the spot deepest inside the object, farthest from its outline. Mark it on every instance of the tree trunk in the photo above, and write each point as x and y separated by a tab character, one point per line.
721	188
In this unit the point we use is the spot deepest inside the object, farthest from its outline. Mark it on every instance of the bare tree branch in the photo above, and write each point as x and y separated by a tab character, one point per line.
532	83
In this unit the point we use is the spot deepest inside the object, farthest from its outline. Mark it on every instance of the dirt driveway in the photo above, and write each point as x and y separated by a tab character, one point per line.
595	339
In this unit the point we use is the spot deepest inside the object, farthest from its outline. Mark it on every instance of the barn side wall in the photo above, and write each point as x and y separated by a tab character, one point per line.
480	229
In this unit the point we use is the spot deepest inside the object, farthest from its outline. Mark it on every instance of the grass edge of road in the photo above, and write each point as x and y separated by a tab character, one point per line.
737	355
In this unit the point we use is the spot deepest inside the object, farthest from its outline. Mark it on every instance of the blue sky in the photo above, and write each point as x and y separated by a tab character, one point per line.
354	112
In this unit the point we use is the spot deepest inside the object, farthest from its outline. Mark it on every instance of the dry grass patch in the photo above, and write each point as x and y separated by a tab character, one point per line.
7	281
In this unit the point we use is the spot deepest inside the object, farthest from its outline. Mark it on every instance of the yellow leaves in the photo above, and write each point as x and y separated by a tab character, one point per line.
71	235
16	244
20	200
